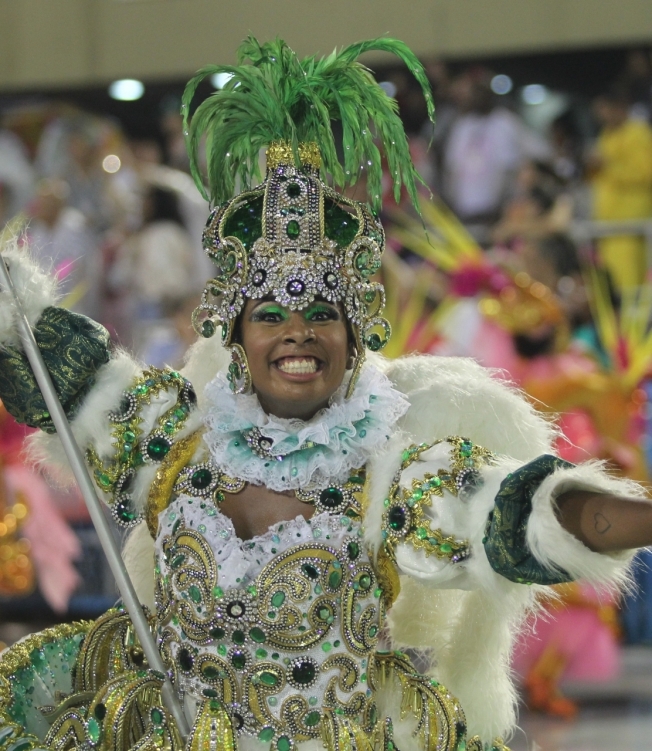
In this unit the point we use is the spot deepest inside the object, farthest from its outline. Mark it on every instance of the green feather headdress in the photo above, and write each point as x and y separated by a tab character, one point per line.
278	97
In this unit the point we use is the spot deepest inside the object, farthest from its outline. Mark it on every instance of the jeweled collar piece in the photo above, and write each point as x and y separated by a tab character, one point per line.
284	454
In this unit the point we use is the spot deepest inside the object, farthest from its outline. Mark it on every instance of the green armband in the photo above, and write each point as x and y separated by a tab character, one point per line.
505	541
73	347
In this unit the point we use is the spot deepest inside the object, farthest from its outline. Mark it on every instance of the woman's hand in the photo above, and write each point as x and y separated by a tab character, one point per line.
605	523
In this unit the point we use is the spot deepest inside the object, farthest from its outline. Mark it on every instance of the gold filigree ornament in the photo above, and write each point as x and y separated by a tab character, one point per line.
405	519
133	448
441	723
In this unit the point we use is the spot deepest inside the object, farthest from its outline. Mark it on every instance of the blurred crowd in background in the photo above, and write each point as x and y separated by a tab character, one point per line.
521	195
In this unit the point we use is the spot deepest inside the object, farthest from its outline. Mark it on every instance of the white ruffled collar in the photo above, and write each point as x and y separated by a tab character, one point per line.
315	452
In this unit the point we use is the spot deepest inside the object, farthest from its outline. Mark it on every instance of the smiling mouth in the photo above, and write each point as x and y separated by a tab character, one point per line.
299	365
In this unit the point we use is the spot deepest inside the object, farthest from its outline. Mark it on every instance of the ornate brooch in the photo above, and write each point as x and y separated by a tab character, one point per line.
404	519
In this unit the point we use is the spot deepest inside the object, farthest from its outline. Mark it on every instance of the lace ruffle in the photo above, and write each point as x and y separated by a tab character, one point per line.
344	434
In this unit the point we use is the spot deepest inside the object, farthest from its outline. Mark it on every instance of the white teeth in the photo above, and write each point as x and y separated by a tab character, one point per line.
298	366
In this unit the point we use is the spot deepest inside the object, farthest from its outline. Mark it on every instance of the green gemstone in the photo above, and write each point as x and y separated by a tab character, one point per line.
129	436
293	190
207	329
103	479
261	654
312	719
158	447
268	679
100	711
283	743
210	672
293	229
303	673
353	549
211	693
445	548
422	533
396	518
406	455
239	660
335	579
373	630
93	728
331	497
435	482
266	734
239	637
362	261
364	581
278	598
177	561
257	635
324	613
417	494
327	646
218	592
156	716
186	660
194	593
310	571
125	512
374	342
201	478
217	632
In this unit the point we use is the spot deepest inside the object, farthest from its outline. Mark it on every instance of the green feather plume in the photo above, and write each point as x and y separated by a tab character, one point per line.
279	97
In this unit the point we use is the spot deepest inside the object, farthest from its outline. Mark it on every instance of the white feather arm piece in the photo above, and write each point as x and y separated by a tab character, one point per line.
36	290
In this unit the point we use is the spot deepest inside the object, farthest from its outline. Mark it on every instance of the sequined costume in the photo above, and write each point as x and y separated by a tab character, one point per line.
434	526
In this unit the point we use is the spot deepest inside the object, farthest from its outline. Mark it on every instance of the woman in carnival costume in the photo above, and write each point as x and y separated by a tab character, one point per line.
299	508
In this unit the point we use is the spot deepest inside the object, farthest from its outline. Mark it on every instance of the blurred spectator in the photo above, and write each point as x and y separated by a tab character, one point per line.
621	171
636	80
541	205
16	176
566	142
154	267
485	147
60	239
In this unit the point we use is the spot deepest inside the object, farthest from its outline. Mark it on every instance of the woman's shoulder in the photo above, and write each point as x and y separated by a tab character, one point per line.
457	396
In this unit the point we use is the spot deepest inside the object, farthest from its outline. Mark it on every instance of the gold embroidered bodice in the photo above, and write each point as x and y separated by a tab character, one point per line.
275	627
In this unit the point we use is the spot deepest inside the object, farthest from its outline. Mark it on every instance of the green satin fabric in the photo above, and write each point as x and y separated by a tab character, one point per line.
73	347
505	542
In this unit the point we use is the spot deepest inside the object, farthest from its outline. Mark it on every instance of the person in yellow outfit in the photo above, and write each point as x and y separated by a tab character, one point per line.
621	170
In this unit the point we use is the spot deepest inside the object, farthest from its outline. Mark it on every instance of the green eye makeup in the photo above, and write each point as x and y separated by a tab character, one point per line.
271	309
327	312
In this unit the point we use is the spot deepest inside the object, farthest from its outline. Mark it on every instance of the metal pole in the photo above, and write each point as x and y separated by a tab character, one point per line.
126	588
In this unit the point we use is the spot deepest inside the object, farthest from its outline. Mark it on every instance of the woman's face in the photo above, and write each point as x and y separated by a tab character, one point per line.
297	359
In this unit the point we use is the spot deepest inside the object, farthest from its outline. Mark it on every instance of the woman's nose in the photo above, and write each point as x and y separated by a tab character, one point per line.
298	330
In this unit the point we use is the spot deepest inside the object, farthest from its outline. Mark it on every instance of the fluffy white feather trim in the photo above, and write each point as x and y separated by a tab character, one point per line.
36	291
